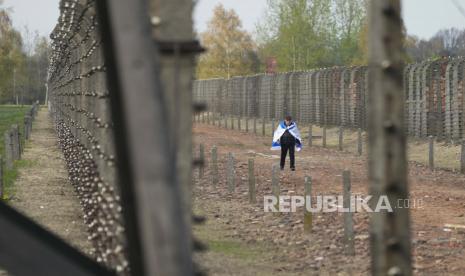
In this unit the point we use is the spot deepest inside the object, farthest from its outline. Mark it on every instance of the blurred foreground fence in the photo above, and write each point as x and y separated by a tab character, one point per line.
434	101
106	82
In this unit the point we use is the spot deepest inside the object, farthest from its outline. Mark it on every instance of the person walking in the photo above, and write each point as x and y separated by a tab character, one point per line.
287	139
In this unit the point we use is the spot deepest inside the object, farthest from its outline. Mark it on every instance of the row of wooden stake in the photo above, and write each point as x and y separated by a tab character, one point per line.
205	118
275	187
13	143
231	122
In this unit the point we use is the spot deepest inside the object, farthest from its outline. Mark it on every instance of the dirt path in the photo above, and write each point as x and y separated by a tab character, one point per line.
42	190
244	240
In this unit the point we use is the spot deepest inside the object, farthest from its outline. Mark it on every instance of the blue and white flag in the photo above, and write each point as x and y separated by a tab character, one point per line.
292	128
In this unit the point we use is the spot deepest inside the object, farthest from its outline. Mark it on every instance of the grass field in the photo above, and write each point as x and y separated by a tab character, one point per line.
9	115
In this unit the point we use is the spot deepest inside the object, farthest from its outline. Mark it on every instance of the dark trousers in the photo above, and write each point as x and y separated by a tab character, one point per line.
284	149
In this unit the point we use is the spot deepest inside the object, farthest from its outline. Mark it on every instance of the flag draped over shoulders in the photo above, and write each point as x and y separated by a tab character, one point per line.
293	130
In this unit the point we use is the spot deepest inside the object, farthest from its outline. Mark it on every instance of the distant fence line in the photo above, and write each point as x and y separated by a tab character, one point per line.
339	96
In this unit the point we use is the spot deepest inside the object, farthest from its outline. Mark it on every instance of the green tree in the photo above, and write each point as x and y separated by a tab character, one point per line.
11	56
230	49
350	16
304	34
296	32
23	63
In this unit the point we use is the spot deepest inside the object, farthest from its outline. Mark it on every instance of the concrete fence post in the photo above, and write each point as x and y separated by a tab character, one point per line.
27	121
8	150
15	142
19	147
390	244
20	144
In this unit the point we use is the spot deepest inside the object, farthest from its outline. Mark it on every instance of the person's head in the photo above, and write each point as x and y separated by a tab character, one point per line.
288	120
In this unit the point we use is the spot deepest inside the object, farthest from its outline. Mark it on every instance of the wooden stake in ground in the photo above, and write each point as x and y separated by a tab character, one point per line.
254	125
308	216
8	150
462	157
341	138
275	184
231	173
263	126
26	127
202	159
390	232
324	137
272	127
239	127
252	197
348	216
310	135
431	152
359	141
214	165
15	140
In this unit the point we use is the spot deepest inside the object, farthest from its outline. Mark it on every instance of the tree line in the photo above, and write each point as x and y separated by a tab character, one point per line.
296	35
23	63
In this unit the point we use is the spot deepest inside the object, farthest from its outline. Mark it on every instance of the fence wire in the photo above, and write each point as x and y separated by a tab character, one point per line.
79	103
434	102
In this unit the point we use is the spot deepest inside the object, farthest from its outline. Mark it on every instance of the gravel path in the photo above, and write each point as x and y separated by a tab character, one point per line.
42	190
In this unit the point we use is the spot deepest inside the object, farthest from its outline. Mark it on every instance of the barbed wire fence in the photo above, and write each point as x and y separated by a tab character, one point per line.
97	120
81	111
338	97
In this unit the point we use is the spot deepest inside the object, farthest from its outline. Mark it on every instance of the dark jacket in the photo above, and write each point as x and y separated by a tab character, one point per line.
287	138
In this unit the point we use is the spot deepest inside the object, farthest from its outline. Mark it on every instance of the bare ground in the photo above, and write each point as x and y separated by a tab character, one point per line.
42	190
243	240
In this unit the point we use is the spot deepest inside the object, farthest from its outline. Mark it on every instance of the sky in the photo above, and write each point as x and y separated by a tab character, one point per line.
423	18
